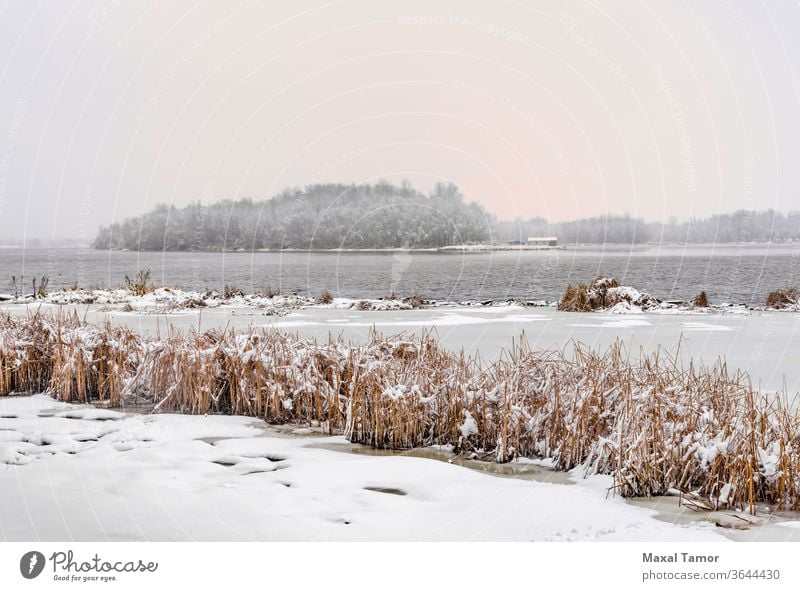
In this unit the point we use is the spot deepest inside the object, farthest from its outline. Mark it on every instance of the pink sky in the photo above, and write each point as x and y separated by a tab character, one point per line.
560	110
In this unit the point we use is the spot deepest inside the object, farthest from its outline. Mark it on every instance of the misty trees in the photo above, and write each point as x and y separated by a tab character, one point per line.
739	226
318	216
383	215
596	230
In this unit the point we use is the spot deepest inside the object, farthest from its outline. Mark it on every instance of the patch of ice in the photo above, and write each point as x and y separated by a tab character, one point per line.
704	327
615	322
292	323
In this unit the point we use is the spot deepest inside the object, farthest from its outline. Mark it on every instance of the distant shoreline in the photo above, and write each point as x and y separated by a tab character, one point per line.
483	248
457	248
445	249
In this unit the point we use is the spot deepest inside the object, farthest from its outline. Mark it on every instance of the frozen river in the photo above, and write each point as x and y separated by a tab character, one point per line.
765	344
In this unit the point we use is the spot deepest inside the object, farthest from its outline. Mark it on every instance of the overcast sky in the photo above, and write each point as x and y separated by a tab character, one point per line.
566	110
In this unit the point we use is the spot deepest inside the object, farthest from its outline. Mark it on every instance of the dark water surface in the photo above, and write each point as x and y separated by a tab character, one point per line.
729	273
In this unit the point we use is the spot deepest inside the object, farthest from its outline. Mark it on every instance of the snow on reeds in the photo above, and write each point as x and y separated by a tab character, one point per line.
783	298
653	423
603	293
139	297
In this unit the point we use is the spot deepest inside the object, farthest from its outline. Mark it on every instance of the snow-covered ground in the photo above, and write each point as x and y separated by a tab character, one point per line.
71	472
164	299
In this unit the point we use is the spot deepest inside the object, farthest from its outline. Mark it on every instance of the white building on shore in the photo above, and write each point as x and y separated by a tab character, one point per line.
542	241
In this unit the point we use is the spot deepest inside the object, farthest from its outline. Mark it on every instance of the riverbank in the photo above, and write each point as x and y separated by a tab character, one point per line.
87	474
159	300
760	342
82	474
405	392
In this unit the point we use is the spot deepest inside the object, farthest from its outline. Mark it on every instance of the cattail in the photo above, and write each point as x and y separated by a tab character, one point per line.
653	423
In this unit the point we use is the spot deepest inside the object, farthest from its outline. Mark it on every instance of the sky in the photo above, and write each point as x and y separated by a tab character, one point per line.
554	109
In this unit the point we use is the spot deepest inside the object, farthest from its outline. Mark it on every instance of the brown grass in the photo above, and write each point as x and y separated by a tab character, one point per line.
652	423
780	298
602	293
40	289
416	301
585	298
231	291
700	300
575	299
325	297
140	284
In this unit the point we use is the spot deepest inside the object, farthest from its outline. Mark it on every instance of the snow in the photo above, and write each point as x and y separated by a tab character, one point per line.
725	493
614	322
624	293
469	426
164	300
170	477
75	472
704	327
449	318
625	307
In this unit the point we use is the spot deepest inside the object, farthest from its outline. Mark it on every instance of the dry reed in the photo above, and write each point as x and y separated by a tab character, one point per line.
781	298
325	297
648	420
701	300
575	299
139	284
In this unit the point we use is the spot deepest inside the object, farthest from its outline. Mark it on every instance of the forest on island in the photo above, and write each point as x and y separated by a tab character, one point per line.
322	216
383	215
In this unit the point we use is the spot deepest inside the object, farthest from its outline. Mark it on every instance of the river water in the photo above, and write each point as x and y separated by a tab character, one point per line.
736	273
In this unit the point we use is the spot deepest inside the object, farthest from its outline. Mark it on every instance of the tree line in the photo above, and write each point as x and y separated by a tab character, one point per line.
383	215
322	216
739	226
